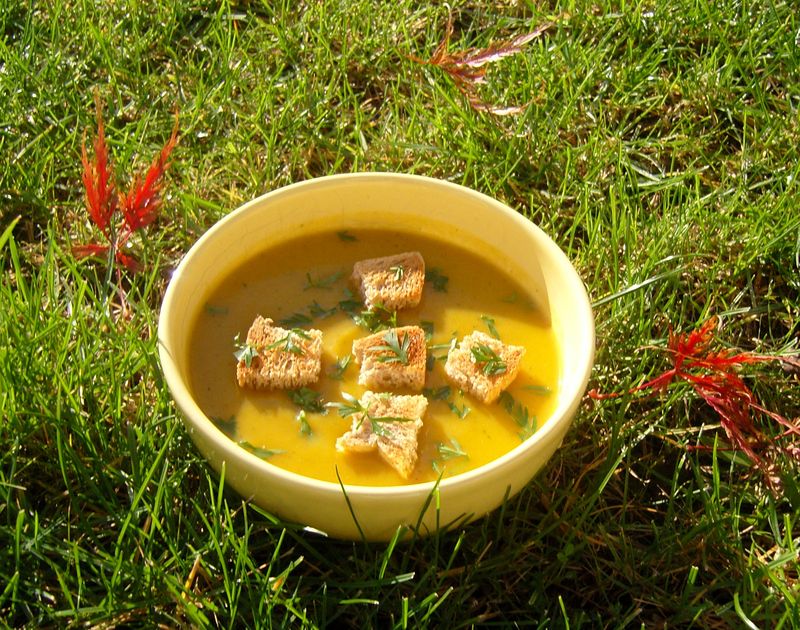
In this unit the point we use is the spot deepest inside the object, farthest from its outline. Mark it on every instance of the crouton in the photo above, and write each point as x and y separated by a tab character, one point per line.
392	282
395	440
392	359
483	366
277	358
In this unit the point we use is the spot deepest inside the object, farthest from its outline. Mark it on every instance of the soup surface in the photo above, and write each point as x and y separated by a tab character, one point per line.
304	283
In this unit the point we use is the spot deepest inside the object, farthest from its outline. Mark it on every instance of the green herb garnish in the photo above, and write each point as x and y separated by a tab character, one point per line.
461	413
213	309
325	282
317	310
440	393
376	318
540	390
337	371
428	328
437	279
489	321
488	360
244	351
345	236
350	304
451	451
226	425
307	399
354	406
296	319
397	350
263	453
305	427
438	347
288	342
520	414
398	271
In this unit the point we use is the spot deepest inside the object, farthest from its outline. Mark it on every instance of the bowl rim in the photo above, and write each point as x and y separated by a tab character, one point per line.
192	414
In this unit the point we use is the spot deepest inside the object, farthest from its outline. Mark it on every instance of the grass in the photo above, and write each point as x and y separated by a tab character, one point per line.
659	148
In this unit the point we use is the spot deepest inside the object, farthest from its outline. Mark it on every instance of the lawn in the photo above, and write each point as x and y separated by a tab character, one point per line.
655	142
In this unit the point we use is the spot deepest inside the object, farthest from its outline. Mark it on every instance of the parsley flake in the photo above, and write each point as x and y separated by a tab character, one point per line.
489	321
307	399
488	360
395	349
323	282
437	279
337	371
288	342
398	271
244	352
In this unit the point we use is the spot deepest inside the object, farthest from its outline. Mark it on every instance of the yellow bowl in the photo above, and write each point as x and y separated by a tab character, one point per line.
380	200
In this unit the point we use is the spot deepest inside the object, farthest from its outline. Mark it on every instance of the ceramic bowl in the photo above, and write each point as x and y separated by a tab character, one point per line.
380	200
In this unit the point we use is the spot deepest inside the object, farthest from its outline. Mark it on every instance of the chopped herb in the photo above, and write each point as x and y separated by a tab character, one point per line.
529	429
226	425
350	304
325	282
541	390
451	451
440	393
263	453
488	360
305	427
307	399
317	310
354	406
520	414
296	319
287	343
398	271
437	279
438	347
443	393
430	361
212	309
397	351
461	413
345	236
376	318
337	371
489	321
428	328
244	351
516	298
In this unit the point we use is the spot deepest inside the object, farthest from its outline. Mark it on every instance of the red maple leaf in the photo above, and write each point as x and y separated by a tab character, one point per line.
467	68
98	181
713	376
139	207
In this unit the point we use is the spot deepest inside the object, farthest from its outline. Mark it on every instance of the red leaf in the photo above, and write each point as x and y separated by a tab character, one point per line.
713	377
467	68
496	52
101	202
140	206
129	262
90	249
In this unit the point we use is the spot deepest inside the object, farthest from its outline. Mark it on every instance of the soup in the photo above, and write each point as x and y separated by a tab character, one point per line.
303	283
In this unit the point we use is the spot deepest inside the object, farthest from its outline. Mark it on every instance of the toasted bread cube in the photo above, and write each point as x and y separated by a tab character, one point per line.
383	368
392	282
284	359
395	440
483	379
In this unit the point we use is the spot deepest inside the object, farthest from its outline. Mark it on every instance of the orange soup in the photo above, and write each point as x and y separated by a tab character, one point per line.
304	284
